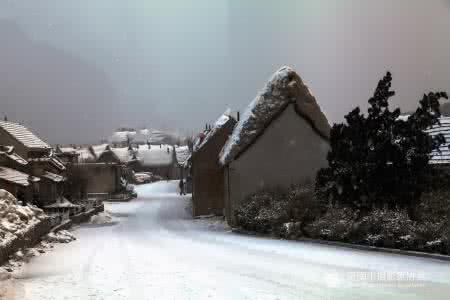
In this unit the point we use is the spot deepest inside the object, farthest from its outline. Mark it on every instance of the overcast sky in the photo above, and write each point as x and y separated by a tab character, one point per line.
76	70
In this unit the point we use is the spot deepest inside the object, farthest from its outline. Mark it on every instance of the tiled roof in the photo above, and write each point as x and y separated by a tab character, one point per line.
24	135
442	156
52	160
54	177
14	176
8	152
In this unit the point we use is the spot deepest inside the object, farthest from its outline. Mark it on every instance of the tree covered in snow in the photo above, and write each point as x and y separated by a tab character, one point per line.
379	159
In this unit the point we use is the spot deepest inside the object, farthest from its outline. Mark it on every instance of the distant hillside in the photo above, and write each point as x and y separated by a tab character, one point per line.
144	136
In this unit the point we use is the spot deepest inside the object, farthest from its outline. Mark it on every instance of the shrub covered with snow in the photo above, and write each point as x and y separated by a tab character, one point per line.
386	228
263	212
279	212
336	224
14	218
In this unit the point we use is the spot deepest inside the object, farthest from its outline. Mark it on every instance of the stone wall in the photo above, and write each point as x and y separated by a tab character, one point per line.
28	239
34	234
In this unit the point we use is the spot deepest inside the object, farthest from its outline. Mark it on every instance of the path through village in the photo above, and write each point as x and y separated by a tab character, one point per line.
157	251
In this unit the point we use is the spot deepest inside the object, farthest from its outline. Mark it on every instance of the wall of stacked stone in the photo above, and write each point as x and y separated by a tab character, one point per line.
85	216
25	240
35	233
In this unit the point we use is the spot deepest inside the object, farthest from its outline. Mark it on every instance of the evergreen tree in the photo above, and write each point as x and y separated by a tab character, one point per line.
380	159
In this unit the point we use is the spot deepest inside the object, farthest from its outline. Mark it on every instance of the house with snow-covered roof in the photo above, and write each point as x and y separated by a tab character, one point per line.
281	139
25	142
157	159
40	157
67	155
21	185
207	174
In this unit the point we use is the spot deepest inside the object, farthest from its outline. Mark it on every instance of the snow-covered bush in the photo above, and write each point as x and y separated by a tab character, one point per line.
271	211
336	224
263	212
386	228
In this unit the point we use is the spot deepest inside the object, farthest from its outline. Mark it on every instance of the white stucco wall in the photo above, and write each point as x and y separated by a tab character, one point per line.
288	152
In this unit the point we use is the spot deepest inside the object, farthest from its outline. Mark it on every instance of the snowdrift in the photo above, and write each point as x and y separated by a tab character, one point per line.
16	219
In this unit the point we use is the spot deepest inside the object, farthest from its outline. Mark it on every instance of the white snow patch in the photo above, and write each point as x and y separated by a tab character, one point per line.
103	218
62	236
16	219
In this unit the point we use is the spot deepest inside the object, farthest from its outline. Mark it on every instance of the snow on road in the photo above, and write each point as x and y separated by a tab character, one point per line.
158	252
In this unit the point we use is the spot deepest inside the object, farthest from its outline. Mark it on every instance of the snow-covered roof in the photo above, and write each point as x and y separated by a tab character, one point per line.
53	177
442	156
84	155
220	123
66	150
8	152
99	149
182	153
284	88
15	176
23	135
53	160
155	156
124	154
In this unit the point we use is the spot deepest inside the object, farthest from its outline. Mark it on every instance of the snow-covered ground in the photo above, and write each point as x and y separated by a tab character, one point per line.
157	252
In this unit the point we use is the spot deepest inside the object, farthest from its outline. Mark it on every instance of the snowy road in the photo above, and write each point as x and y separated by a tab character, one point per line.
157	252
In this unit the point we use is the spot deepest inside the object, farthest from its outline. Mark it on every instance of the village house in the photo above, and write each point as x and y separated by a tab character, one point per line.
21	185
40	162
160	160
68	155
208	175
103	178
25	143
281	140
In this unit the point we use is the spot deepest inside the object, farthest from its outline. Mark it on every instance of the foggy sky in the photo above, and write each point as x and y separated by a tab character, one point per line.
76	70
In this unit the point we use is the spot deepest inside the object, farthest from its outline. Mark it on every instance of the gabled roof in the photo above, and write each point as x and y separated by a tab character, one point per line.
9	153
23	135
283	89
443	155
112	154
220	123
54	161
123	154
53	177
97	150
16	177
84	155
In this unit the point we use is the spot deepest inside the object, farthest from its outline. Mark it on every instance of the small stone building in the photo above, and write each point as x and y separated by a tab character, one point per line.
102	178
282	139
207	174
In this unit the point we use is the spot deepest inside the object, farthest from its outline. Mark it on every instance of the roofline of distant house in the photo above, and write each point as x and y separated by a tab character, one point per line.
231	119
274	117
